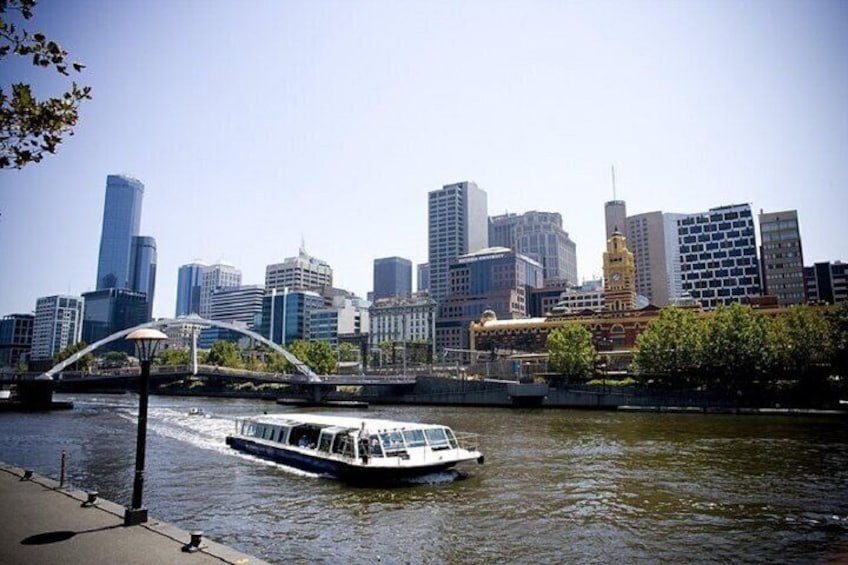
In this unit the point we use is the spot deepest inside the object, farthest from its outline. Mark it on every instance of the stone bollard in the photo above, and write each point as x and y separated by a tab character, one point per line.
194	544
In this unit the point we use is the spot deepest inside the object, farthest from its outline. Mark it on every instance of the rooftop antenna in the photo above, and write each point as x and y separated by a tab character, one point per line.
613	181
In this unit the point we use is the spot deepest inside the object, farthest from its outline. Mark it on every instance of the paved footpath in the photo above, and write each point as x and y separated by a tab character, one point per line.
41	523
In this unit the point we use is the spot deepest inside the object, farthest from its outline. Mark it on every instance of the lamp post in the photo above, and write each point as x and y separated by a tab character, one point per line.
146	341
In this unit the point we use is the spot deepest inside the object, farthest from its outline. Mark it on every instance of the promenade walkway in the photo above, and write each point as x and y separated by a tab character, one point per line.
41	523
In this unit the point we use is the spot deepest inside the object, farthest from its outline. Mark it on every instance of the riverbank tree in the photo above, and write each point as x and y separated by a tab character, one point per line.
570	351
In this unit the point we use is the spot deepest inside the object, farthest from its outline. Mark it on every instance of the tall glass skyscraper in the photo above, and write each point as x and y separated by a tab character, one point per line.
144	268
121	222
189	288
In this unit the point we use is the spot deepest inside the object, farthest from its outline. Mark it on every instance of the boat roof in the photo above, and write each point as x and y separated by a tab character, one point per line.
348	422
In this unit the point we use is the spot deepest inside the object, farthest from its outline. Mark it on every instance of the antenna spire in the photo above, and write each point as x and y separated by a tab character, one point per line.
613	181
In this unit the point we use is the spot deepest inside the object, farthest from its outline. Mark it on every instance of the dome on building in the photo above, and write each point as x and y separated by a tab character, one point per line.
488	316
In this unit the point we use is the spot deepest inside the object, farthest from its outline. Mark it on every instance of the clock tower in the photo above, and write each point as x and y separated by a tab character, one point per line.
619	275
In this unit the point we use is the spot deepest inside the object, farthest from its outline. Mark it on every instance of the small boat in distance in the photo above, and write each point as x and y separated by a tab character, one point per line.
196	412
356	450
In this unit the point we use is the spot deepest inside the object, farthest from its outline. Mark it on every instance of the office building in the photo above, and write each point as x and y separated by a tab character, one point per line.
540	236
496	279
303	272
189	288
286	316
392	277
652	238
15	339
126	259
237	305
615	217
781	257
110	310
826	282
216	277
346	317
718	255
457	224
423	283
58	324
402	320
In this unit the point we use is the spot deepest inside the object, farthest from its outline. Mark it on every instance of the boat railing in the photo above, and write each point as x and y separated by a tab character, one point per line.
466	440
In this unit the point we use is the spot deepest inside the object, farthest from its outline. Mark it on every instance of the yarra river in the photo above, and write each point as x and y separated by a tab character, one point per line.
558	486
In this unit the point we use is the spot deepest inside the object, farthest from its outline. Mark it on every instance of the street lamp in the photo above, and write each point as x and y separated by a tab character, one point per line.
146	341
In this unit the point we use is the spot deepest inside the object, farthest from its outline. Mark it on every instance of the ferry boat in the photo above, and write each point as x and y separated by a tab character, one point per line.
354	449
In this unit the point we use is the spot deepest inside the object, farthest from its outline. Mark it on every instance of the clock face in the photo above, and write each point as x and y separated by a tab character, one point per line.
616	277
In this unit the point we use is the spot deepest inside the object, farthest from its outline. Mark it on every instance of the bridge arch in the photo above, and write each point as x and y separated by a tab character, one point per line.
192	320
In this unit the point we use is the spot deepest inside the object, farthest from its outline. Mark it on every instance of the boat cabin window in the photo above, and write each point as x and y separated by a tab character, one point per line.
304	435
325	442
392	442
282	437
376	448
436	438
343	444
414	438
451	438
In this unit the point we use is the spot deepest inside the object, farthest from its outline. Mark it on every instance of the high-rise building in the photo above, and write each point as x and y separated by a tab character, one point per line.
57	325
615	217
215	277
144	269
301	272
538	235
423	283
781	256
126	260
392	277
15	339
457	224
827	282
189	288
121	222
286	316
652	238
110	310
345	317
496	279
237	305
718	255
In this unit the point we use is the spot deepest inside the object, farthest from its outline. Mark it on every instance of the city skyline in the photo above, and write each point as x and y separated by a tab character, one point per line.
353	121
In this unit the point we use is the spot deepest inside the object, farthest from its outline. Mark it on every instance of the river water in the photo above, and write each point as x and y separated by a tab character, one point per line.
558	486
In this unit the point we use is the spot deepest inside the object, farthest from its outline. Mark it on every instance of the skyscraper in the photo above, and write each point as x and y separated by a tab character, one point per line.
538	235
121	222
615	217
15	338
458	224
781	256
301	272
718	255
127	260
238	305
652	238
392	277
423	282
215	277
110	310
189	287
57	324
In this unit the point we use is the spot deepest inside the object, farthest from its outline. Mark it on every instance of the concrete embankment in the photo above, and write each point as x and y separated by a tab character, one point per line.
43	523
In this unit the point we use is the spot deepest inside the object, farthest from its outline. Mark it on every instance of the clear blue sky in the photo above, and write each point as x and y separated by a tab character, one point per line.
256	124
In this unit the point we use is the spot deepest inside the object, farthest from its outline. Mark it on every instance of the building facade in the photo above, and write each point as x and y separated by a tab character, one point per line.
619	275
496	279
286	316
652	238
457	221
540	236
718	255
392	277
238	305
144	260
303	272
189	288
782	257
423	281
110	310
826	282
615	217
402	320
216	277
15	339
58	324
345	318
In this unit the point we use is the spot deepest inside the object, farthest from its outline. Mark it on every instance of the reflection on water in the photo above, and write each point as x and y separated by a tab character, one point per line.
557	486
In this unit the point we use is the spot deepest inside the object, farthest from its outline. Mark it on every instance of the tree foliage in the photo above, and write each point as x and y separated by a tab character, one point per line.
29	127
318	355
736	345
175	356
570	351
224	354
671	345
82	364
347	352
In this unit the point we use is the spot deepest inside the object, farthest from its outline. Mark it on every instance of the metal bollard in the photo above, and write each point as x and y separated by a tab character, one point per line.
194	544
92	499
62	470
